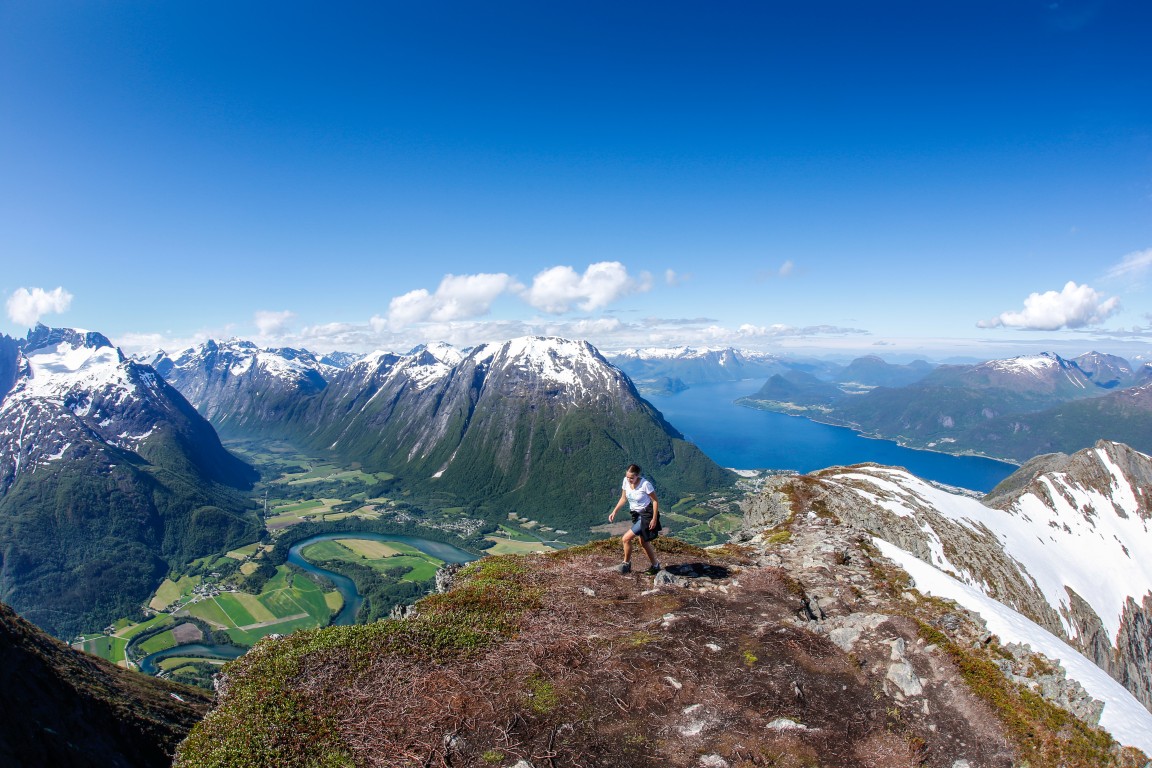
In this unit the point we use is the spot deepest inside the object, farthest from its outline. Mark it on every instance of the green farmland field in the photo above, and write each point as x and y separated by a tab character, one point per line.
287	603
106	647
160	642
375	554
170	591
158	620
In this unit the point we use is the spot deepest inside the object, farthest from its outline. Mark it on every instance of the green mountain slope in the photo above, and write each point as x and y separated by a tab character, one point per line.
543	427
108	478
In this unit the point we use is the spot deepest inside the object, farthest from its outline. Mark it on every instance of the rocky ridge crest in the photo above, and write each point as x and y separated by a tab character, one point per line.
1038	543
798	646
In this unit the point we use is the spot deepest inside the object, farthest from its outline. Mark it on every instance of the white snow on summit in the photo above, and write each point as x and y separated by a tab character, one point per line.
563	361
424	374
444	352
1040	367
1030	364
55	371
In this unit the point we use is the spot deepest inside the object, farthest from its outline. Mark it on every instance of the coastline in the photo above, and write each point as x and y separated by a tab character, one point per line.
803	413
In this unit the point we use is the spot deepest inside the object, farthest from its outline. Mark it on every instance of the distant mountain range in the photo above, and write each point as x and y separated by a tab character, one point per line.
1011	409
108	478
241	388
668	370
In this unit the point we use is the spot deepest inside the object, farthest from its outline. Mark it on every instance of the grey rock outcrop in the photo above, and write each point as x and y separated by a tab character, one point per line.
1097	495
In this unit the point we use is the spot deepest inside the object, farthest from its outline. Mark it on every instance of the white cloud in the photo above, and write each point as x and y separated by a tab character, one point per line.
786	269
273	323
26	307
412	307
459	297
1074	307
583	328
790	331
558	289
1133	266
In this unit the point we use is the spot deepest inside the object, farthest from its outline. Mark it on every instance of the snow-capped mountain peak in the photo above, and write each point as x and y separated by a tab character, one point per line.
238	356
60	364
575	366
62	367
42	336
1033	365
427	364
439	351
74	390
238	381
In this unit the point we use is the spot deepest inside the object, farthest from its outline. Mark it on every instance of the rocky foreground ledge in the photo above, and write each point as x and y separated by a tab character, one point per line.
800	646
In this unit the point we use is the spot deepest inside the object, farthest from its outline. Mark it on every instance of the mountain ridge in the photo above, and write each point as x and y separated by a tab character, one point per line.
108	477
1010	409
1035	543
533	422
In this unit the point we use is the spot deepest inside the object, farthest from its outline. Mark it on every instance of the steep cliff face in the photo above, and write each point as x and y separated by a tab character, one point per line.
64	708
1108	492
800	646
1064	541
242	389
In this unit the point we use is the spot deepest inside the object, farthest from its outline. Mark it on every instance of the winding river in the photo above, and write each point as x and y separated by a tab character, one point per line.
344	585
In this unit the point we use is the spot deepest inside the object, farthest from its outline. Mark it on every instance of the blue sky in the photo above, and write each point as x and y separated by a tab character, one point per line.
896	178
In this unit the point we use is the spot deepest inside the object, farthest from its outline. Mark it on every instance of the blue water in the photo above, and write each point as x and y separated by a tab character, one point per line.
148	663
746	438
344	585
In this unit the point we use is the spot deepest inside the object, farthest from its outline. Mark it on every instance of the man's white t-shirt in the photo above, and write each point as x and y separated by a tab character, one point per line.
638	496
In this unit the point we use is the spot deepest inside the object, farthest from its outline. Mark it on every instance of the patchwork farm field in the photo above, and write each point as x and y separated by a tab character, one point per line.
379	555
107	647
288	602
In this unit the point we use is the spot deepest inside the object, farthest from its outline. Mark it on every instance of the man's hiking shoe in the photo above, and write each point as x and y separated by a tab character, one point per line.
624	568
655	569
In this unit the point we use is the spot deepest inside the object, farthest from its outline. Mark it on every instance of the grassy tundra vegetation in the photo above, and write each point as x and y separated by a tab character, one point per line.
239	596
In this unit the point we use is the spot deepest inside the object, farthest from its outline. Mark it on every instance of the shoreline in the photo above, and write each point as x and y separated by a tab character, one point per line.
748	402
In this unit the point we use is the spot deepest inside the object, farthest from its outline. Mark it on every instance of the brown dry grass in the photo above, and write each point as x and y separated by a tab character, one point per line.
583	667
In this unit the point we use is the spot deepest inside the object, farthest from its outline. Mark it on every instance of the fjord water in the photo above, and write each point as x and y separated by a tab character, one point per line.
739	437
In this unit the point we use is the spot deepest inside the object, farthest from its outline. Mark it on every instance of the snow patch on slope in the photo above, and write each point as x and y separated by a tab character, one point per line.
1034	365
1124	716
1073	539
